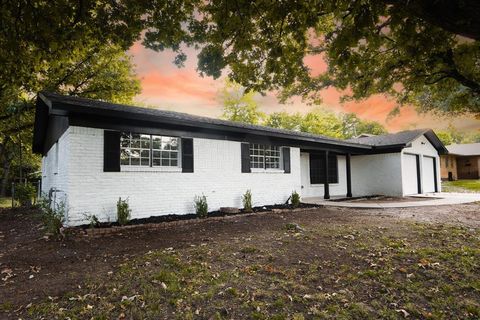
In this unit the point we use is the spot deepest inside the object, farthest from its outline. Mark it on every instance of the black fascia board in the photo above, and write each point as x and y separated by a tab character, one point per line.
40	125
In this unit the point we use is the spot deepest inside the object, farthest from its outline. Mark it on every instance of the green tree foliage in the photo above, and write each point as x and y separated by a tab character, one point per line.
416	51
453	136
409	50
239	105
353	126
70	47
103	72
322	122
284	120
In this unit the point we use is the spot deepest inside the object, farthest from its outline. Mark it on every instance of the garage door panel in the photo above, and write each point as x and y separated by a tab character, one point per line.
428	174
410	180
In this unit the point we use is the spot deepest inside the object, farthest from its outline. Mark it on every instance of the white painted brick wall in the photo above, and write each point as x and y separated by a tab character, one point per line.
317	190
217	174
88	190
55	169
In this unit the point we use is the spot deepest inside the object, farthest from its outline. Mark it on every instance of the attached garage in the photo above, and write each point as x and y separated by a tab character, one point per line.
407	163
411	169
419	167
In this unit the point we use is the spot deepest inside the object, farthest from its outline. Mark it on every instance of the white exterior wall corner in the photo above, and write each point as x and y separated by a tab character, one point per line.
421	146
217	174
55	170
377	174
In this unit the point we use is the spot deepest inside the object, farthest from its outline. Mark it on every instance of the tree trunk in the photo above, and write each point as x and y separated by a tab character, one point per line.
6	173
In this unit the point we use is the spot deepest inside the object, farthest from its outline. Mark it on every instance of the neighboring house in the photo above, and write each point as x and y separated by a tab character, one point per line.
95	152
462	162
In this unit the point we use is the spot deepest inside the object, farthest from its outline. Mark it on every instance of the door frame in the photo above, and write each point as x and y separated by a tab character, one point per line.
419	173
435	182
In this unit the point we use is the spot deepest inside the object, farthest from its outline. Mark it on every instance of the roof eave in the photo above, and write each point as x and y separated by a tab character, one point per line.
68	109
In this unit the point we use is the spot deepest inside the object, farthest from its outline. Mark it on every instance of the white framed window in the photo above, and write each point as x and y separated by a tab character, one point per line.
165	151
264	156
145	150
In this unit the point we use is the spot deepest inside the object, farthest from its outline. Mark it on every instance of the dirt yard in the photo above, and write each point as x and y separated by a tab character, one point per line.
323	263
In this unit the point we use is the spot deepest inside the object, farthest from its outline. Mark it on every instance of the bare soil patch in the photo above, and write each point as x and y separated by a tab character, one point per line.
277	260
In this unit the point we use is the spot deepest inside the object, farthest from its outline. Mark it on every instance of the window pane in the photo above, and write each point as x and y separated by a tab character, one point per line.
135	161
174	163
134	153
174	143
135	143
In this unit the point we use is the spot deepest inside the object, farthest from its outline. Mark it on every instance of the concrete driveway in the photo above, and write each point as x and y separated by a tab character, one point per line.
429	199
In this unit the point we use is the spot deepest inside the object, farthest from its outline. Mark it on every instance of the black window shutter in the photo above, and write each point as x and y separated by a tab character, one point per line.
111	151
286	159
246	157
187	155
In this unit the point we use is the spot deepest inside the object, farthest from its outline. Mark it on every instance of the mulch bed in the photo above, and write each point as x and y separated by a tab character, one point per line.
186	217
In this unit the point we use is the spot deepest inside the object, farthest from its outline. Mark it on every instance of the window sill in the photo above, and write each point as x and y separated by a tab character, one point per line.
257	170
149	169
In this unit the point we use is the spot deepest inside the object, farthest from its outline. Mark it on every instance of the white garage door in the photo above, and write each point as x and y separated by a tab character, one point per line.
410	180
428	174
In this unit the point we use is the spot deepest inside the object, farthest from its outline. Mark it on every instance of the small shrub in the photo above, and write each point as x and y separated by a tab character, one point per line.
247	201
201	206
24	194
123	211
293	227
295	199
93	221
53	216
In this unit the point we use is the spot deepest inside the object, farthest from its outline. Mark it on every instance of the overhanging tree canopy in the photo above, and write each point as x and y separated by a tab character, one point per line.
415	51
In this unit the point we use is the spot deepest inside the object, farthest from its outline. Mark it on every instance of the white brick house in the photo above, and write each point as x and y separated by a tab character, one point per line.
95	152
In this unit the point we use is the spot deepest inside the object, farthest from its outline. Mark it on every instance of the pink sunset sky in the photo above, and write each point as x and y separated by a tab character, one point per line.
165	86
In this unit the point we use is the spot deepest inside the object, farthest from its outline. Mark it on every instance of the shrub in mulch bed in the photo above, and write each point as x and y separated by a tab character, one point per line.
180	217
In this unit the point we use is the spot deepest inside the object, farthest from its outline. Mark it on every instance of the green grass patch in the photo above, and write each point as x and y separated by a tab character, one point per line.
5	202
461	186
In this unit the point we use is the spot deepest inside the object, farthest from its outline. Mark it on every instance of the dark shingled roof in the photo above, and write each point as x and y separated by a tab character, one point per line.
154	114
402	138
60	105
